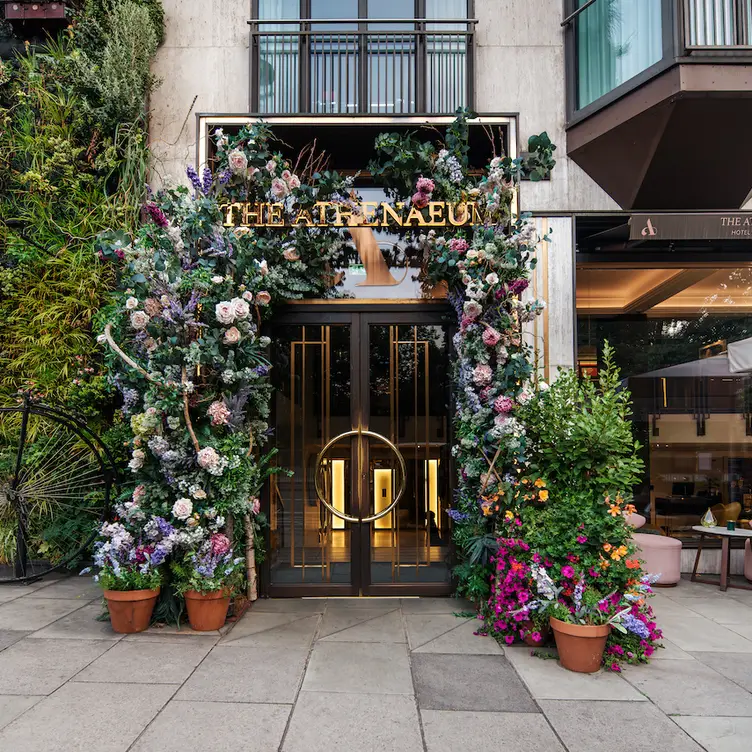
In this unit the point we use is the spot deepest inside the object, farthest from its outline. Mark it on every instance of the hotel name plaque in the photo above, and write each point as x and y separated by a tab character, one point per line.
728	226
364	214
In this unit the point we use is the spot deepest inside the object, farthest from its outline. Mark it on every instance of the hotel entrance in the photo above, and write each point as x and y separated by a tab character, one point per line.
362	423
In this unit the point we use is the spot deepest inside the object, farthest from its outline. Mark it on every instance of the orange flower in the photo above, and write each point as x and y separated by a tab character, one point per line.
543	495
605	563
540	483
509	514
630	509
606	547
623	550
615	555
615	511
632	563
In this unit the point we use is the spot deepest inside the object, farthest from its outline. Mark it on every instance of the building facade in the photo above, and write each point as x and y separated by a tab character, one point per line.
647	102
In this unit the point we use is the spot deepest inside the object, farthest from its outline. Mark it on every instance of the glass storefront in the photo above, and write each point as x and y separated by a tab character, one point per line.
671	327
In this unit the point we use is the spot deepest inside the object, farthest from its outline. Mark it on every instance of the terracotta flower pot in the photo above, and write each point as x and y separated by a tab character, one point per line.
580	646
130	610
528	626
207	611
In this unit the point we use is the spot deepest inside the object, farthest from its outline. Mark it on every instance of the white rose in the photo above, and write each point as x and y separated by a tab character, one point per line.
241	309
182	509
294	182
232	336
225	312
492	279
199	494
139	320
263	268
208	457
131	304
248	295
218	280
471	254
238	161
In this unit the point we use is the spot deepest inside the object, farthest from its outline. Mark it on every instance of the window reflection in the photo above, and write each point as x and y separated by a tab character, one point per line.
671	329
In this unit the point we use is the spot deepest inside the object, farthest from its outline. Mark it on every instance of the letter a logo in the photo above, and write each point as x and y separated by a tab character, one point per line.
649	229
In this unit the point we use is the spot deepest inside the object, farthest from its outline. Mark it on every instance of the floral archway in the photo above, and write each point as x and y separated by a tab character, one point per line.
186	348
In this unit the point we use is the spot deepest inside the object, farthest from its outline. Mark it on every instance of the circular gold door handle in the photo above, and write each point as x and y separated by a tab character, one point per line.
320	491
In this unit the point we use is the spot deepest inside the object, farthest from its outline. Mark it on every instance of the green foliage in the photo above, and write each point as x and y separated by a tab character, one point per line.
130	579
580	436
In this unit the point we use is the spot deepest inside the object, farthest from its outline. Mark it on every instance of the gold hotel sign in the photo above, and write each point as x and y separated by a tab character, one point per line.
364	214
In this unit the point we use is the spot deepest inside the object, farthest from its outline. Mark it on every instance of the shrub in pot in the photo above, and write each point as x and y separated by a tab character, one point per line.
207	579
129	572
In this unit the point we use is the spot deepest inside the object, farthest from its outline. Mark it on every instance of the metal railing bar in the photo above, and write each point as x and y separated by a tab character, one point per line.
288	21
360	33
572	16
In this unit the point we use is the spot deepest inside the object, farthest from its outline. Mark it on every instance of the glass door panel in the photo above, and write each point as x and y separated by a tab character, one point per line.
308	544
408	371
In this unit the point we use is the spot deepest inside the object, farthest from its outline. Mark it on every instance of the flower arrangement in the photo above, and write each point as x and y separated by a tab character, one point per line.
210	568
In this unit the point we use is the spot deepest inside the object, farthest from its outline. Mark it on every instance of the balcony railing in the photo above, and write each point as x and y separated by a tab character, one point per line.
717	24
361	66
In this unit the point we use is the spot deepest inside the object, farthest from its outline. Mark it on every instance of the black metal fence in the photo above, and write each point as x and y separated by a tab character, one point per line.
356	66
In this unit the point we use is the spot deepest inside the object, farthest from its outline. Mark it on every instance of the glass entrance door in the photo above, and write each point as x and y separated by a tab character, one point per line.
362	423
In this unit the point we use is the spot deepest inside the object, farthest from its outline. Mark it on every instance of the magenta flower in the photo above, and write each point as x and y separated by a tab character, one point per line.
567	571
582	538
491	337
509	639
458	244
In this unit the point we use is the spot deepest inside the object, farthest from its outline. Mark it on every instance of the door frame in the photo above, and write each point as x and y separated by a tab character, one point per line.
360	316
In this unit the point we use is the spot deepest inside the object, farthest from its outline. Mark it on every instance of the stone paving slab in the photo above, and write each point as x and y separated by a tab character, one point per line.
462	640
10	636
698	633
450	731
145	663
35	613
423	628
105	718
82	624
273	631
339	722
354	667
689	688
73	588
436	605
337	619
207	726
736	667
39	667
289	605
592	726
12	706
718	734
229	674
378	628
469	682
379	604
547	680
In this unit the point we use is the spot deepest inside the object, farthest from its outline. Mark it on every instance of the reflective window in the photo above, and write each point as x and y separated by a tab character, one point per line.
672	329
616	40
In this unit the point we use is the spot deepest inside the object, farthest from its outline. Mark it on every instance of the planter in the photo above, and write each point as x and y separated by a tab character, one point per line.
207	611
528	640
580	646
130	610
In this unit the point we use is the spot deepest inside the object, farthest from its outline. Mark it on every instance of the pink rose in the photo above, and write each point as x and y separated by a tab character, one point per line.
271	166
286	175
238	161
420	200
263	298
425	185
240	308
248	296
255	505
491	337
279	188
225	312
294	182
232	336
458	244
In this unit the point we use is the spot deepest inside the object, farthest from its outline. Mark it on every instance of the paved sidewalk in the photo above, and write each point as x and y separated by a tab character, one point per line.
373	674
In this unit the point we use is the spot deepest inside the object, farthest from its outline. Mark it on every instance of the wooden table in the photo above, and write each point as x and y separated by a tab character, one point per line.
725	536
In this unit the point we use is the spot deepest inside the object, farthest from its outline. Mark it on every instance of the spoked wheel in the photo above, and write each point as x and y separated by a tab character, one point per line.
56	477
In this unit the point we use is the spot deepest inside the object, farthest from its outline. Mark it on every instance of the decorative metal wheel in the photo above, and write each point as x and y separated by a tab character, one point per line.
56	477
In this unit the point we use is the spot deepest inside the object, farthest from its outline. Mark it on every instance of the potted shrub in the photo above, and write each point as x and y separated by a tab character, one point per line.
129	571
207	578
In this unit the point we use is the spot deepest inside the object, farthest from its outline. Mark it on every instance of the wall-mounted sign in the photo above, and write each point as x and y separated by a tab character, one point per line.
732	226
365	214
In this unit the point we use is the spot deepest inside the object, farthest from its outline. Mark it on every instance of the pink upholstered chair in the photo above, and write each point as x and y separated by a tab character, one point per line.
661	554
748	559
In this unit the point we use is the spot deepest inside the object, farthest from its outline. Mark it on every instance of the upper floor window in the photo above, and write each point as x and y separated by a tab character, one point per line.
361	56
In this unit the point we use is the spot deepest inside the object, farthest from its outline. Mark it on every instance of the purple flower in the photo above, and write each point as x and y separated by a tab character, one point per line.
261	370
636	626
457	516
208	179
156	214
224	178
518	286
190	171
